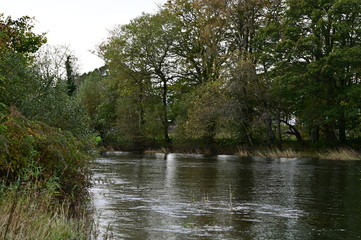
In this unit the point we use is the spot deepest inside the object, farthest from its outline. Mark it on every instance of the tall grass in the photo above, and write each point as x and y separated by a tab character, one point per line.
328	154
277	153
44	180
340	154
27	212
269	152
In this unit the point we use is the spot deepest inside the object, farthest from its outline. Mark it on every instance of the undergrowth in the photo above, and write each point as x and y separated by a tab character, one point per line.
29	212
44	181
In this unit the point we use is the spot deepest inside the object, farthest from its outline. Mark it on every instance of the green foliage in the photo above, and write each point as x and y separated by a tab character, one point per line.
40	97
202	31
319	64
97	95
45	152
248	72
205	111
140	72
17	36
70	76
57	109
16	78
200	70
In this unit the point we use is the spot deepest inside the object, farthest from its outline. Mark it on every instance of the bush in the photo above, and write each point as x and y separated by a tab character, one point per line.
57	155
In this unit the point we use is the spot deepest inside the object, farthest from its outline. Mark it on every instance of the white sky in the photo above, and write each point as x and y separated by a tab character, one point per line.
81	24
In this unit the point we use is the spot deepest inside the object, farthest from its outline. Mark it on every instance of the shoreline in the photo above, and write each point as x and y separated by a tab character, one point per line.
341	154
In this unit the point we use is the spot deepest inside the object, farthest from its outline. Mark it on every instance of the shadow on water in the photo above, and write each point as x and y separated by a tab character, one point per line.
179	196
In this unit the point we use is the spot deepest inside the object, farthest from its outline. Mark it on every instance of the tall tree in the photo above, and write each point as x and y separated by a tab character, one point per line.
140	55
17	44
70	75
319	64
246	70
201	37
17	35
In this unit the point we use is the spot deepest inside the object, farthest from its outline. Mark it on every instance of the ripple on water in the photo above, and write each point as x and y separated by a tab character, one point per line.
266	209
160	197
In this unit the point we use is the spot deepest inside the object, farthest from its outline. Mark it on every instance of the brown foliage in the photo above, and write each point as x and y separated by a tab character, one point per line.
37	152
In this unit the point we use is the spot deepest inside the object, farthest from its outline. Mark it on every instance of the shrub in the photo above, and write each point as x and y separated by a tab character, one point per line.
57	155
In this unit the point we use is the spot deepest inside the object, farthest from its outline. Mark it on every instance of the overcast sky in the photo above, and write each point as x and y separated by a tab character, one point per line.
81	24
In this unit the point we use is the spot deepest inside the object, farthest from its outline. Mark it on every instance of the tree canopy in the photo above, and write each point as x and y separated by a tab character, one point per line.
252	71
246	72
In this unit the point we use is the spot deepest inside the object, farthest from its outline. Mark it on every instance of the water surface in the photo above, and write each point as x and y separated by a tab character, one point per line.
175	196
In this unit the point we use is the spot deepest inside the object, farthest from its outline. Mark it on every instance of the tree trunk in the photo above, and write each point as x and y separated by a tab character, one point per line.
270	132
342	128
315	134
249	139
329	133
210	138
295	132
279	130
165	113
141	106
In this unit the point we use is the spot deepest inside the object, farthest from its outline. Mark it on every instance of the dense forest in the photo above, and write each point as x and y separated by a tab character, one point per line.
212	74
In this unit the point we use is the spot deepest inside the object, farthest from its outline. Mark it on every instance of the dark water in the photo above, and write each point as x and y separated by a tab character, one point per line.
174	196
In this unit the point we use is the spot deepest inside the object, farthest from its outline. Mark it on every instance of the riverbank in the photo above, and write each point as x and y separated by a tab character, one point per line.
325	153
33	215
44	181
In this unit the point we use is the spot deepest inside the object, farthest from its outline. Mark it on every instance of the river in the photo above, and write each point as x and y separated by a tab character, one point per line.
178	196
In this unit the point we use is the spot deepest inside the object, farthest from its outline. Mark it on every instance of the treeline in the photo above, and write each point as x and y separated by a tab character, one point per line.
42	122
45	138
215	73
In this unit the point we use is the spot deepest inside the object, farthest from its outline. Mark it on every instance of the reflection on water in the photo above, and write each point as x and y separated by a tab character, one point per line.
175	196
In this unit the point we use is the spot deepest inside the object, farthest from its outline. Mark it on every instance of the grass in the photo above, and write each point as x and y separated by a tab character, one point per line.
328	154
277	153
269	152
340	154
160	150
289	150
33	215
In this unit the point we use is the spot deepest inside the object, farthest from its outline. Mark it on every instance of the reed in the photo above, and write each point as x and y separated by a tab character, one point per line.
328	154
340	154
288	152
241	152
269	152
25	215
230	197
277	153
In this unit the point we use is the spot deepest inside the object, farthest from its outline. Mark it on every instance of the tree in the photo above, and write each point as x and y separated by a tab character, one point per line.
55	63
17	36
245	73
243	69
139	57
70	75
50	99
91	94
205	112
17	43
319	63
201	40
245	97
